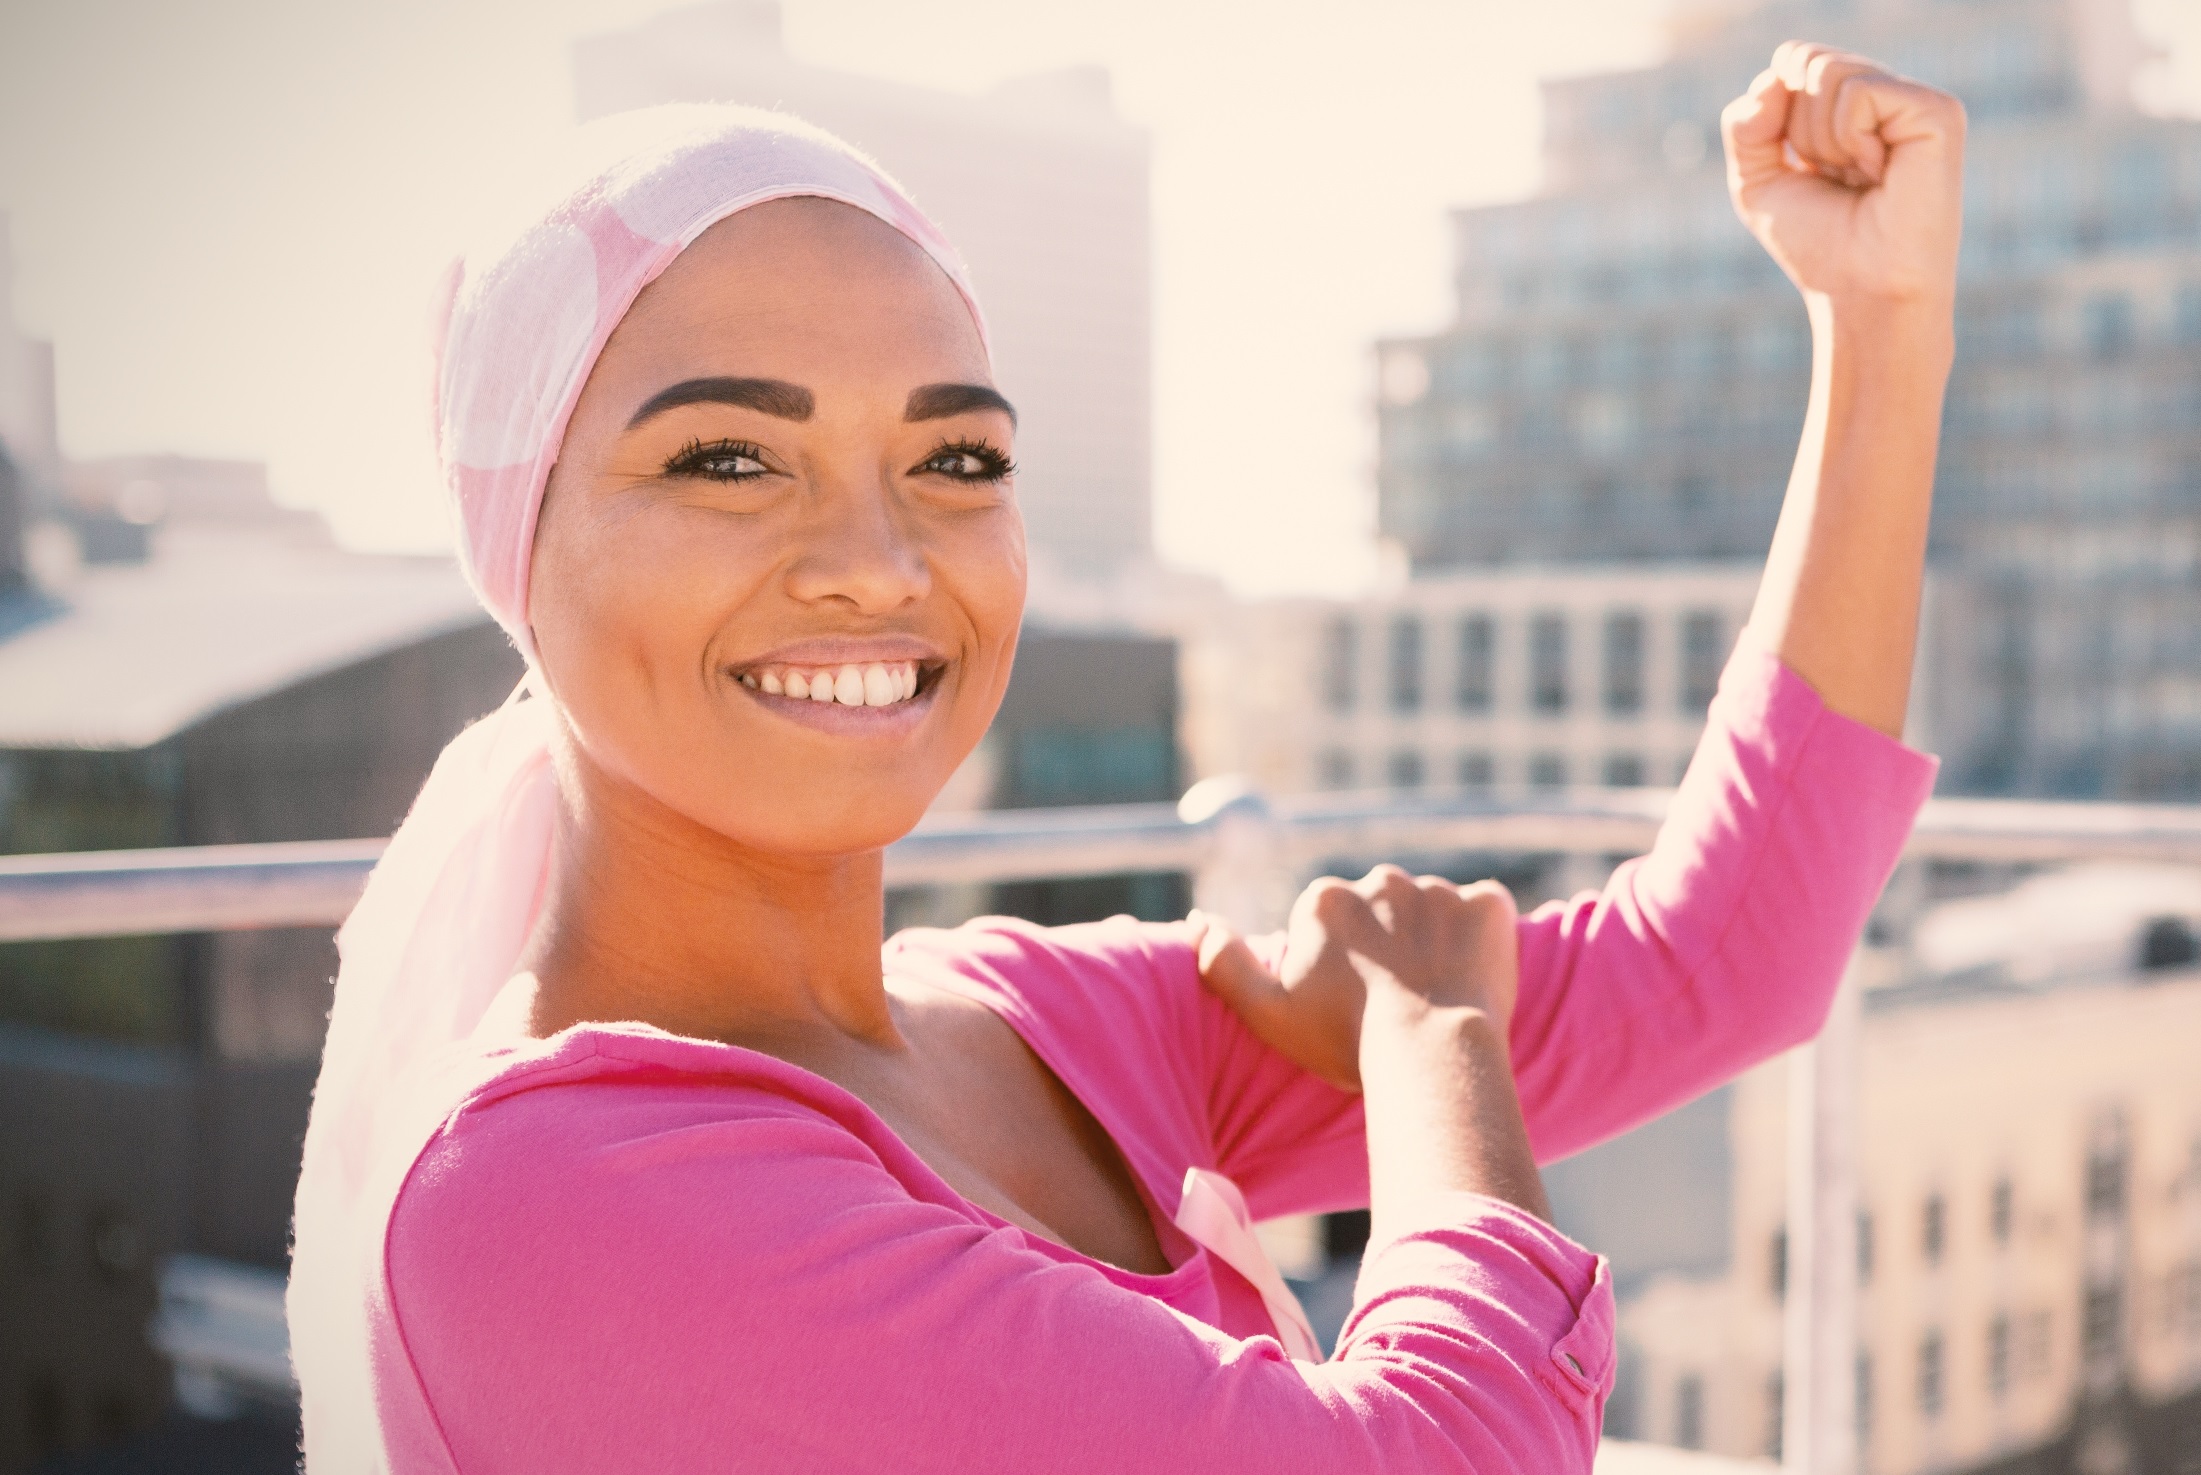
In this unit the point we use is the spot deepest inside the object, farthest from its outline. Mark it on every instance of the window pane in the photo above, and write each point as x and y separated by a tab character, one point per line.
1703	652
1474	771
1478	648
1337	664
1548	771
1406	664
1624	771
1405	769
1624	663
1548	663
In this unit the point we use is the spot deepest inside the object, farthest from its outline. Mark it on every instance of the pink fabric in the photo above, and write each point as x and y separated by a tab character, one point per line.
625	1251
523	316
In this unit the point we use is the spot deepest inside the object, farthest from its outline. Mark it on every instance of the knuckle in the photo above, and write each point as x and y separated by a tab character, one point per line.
1489	899
1331	898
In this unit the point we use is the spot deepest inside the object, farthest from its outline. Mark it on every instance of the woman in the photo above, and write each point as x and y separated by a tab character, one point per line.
635	1150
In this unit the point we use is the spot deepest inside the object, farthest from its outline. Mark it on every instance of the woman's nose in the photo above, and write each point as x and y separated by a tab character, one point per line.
859	548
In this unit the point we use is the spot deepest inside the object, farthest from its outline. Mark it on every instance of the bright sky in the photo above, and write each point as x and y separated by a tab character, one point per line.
227	214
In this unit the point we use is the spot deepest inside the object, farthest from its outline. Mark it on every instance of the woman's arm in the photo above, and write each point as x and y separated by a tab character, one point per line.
1724	944
1853	180
626	1276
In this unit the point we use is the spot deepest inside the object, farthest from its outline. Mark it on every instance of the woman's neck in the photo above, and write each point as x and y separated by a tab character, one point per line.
654	918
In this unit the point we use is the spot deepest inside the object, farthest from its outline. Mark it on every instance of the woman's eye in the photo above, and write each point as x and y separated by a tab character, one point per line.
718	461
973	463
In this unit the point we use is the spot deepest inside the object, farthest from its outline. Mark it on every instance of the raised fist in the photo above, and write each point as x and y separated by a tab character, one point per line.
1852	177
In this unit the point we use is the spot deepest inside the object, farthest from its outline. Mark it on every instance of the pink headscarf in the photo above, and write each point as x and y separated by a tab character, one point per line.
451	905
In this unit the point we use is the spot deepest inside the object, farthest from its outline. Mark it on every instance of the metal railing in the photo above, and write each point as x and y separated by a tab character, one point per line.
1247	856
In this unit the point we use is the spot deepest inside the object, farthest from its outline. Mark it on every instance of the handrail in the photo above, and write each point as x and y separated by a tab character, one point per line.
112	893
224	1330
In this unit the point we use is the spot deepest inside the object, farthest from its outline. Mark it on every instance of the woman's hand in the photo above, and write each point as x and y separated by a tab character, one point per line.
1852	178
1390	943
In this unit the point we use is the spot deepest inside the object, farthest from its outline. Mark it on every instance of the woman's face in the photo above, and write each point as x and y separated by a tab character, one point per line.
779	568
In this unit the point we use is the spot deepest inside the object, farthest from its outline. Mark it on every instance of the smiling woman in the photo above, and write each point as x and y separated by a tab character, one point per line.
638	1148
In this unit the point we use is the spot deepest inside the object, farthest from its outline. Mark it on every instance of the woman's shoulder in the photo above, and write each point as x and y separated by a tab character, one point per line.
538	1124
1111	976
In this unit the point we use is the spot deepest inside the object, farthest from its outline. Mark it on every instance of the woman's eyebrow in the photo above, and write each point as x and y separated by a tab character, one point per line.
774	397
939	401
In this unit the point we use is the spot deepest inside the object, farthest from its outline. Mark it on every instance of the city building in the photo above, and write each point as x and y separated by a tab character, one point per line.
1527	676
234	682
2029	1227
1041	185
26	381
1624	376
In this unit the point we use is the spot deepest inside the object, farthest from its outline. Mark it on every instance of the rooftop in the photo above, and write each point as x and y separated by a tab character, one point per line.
125	656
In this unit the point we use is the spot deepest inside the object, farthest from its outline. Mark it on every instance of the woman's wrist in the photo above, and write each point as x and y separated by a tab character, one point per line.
1918	329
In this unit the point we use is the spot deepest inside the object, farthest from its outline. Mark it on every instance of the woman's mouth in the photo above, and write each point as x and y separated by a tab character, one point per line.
876	684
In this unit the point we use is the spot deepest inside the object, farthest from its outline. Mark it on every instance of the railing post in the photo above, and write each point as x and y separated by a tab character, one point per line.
1819	1372
1245	879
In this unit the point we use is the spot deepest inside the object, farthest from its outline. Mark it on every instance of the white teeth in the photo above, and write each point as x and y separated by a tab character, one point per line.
879	684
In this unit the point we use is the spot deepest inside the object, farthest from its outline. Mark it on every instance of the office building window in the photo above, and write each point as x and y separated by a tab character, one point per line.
1933	1230
2001	1210
1624	663
1339	644
1703	652
1624	770
2108	324
1473	771
2104	1313
1864	1401
2105	1183
1864	1246
1998	1356
1547	654
1930	1375
1334	770
1405	664
1404	771
2187	314
1776	1400
1472	686
1547	771
1777	1277
1689	1412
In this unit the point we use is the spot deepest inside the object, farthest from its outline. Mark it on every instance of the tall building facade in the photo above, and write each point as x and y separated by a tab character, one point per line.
1625	374
1533	677
27	434
2029	1242
1040	183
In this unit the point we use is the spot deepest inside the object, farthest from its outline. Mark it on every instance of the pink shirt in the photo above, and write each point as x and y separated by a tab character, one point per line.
629	1251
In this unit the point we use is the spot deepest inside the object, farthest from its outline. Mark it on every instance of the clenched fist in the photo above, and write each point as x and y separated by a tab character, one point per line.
1391	942
1852	177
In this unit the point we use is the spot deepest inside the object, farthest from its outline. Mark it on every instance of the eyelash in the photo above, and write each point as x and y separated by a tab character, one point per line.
695	458
996	466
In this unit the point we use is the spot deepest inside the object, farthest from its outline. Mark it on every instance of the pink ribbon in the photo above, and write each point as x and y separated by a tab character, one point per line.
1213	1215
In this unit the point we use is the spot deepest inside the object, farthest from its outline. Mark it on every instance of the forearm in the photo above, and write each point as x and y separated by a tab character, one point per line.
1443	1116
1839	602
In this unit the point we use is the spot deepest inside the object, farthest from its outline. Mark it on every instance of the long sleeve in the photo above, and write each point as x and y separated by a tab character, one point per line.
640	1275
1718	949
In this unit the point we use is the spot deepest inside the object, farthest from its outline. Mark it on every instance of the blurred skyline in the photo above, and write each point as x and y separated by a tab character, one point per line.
228	218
